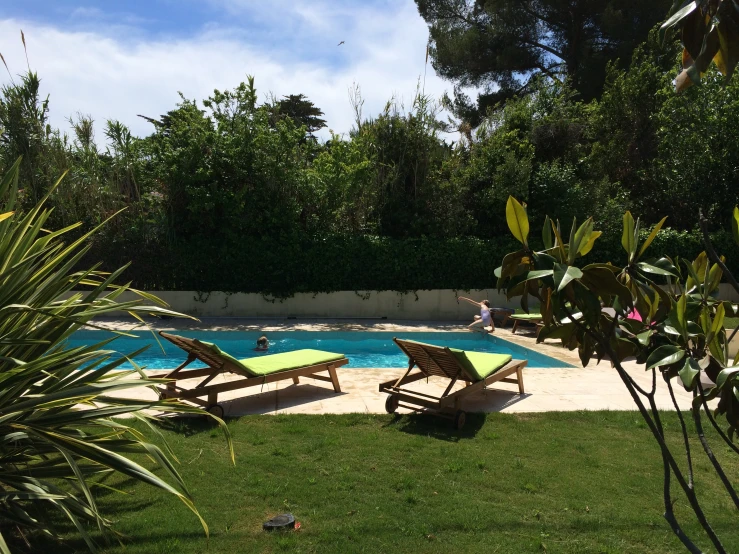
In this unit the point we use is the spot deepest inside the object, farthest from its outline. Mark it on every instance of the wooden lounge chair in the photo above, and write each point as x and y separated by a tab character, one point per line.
536	319
476	369
256	371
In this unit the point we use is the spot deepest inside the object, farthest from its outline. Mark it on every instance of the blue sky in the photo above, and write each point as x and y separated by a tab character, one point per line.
119	59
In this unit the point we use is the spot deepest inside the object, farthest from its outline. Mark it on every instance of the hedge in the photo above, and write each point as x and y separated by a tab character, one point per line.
332	263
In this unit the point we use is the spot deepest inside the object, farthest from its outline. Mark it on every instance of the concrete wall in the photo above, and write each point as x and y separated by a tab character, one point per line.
422	305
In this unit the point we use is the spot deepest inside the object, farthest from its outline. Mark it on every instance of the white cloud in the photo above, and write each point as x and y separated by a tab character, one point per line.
108	76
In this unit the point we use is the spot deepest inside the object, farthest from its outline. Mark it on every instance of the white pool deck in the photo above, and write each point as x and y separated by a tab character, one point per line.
596	387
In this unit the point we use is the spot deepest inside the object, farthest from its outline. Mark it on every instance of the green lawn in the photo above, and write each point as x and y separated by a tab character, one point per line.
554	482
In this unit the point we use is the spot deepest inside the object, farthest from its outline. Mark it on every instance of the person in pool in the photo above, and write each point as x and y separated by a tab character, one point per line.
484	321
262	344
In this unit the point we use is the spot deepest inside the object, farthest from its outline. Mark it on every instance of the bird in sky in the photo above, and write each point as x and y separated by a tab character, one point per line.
342	42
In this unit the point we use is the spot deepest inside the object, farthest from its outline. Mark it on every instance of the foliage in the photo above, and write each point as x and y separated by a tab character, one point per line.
59	443
709	31
662	312
234	176
499	45
323	263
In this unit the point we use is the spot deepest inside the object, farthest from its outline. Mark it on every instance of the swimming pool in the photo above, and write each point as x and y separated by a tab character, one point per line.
364	349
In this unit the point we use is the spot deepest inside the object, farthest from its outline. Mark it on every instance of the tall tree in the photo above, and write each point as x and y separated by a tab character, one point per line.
498	46
302	111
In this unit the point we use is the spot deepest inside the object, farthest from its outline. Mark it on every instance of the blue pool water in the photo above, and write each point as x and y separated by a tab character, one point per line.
364	349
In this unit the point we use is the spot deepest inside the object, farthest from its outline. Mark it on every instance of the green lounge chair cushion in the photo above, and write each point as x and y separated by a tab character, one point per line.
260	366
476	364
526	317
273	363
480	364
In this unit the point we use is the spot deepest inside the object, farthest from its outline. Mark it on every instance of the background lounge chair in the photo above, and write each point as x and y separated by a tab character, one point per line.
527	318
476	369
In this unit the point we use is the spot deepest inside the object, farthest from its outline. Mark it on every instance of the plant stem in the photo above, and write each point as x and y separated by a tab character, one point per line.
714	461
685	434
667	457
669	514
689	492
713	421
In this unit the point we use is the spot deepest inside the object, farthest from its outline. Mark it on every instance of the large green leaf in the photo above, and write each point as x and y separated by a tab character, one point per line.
655	270
696	271
717	324
686	10
628	240
580	239
518	221
546	234
587	246
735	224
727	376
564	274
603	282
689	373
664	356
681	323
652	236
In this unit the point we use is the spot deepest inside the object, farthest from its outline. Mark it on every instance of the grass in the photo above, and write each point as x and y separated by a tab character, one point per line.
585	482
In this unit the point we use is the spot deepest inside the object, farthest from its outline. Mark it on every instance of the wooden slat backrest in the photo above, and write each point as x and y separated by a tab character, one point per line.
431	360
202	352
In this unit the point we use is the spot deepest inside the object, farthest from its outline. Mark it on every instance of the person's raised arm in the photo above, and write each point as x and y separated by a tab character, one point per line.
469	300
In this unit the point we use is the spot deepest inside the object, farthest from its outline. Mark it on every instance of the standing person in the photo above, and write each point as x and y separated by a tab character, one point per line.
485	319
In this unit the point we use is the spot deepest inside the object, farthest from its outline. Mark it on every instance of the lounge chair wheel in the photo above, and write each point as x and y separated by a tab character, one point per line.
391	403
459	418
216	410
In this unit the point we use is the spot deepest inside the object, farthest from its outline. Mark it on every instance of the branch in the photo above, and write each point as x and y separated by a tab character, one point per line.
716	465
669	514
718	429
684	431
667	459
689	492
544	47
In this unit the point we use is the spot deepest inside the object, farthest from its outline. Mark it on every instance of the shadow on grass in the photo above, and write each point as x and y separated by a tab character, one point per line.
42	543
190	425
35	542
431	425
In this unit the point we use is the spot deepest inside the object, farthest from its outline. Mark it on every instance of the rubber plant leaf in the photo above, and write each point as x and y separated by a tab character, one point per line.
588	246
681	323
726	376
689	373
518	221
718	323
664	356
582	236
627	238
652	236
680	14
649	268
546	235
564	274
